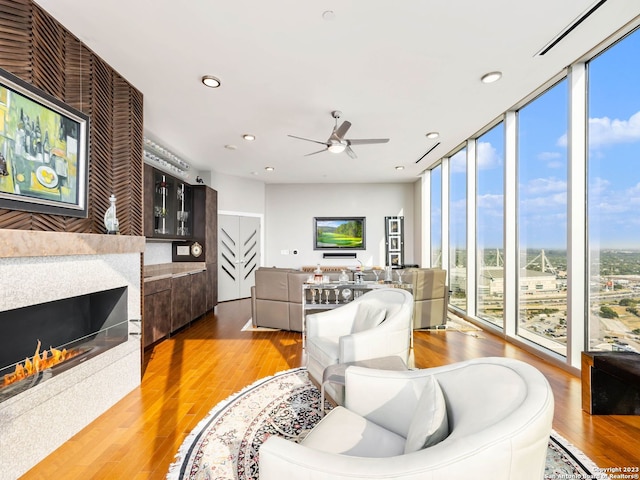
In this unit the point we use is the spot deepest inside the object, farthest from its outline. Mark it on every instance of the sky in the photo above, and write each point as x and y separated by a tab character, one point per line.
613	173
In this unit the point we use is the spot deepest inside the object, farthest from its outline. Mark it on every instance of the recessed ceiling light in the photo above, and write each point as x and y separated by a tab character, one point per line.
249	137
491	77
433	135
230	147
254	173
328	15
211	81
269	169
400	167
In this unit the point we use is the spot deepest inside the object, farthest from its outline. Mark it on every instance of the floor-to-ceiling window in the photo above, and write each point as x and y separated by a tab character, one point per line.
614	197
490	225
542	219
458	229
436	217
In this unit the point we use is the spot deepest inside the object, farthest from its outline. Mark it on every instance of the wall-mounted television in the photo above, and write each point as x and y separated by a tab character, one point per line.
339	233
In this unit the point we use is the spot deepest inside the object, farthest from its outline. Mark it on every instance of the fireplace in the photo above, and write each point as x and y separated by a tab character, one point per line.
67	290
82	326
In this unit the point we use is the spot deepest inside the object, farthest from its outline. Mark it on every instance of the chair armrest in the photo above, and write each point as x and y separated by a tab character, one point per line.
374	343
282	459
332	323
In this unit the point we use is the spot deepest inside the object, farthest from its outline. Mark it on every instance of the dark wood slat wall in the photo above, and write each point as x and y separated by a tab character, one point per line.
36	48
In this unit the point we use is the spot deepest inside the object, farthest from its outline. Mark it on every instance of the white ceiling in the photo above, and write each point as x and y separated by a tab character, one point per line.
395	69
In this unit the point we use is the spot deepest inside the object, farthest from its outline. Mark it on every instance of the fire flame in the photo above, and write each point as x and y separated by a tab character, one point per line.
39	362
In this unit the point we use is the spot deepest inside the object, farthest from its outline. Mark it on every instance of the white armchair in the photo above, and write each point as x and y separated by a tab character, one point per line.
498	416
377	324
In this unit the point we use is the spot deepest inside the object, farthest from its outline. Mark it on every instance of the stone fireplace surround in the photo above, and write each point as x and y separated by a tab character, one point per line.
37	267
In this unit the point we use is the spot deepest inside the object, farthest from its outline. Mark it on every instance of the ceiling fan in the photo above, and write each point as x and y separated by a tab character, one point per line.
337	143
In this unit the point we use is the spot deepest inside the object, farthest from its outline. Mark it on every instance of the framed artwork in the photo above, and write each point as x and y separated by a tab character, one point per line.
394	241
43	151
339	233
394	226
395	259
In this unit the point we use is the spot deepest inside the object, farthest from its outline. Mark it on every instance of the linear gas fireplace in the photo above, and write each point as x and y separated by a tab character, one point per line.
69	316
40	341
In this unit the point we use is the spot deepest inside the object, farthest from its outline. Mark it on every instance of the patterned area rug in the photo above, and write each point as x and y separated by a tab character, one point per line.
225	444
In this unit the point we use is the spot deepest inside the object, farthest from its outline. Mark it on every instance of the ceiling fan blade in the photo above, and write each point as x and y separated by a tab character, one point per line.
342	130
366	141
350	152
313	153
309	140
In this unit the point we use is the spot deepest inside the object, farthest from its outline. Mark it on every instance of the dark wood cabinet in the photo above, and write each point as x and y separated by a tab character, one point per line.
207	230
157	310
198	294
180	301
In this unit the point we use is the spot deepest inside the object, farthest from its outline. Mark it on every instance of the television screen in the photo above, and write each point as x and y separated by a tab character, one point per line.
339	233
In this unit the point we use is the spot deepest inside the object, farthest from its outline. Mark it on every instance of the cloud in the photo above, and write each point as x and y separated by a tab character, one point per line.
487	156
458	163
491	201
539	186
604	131
549	156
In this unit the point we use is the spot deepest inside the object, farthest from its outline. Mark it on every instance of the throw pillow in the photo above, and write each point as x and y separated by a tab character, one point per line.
367	317
429	424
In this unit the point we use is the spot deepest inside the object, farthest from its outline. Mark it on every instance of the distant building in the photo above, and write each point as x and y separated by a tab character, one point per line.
530	281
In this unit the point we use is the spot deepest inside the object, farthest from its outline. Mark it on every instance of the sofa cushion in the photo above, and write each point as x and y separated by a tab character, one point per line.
430	424
347	433
367	317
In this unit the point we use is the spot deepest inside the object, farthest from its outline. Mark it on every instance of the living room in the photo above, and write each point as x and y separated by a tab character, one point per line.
287	209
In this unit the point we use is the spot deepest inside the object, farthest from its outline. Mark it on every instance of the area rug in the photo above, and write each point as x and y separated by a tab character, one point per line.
225	444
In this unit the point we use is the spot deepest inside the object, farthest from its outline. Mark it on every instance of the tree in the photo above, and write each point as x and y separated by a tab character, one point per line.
607	312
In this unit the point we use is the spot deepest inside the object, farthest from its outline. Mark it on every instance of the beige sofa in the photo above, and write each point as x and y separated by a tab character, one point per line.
276	298
430	294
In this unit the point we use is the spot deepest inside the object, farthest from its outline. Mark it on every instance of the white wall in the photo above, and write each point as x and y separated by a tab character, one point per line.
237	194
290	209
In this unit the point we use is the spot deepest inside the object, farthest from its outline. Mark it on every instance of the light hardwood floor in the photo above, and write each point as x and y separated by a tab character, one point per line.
186	375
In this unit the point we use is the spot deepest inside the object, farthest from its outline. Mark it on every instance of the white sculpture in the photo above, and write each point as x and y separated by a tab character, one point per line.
110	219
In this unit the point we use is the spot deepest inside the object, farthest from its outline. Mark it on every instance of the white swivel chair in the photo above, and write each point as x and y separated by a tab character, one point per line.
485	419
377	324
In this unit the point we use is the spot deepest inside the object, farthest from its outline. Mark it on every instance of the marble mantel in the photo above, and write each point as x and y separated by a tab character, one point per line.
30	243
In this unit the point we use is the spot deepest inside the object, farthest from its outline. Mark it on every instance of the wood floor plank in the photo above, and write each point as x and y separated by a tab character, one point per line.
188	374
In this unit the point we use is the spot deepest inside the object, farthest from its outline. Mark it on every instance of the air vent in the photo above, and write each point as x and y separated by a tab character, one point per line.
428	152
571	27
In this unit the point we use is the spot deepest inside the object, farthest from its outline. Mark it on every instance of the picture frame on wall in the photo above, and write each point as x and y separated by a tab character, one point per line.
394	241
43	151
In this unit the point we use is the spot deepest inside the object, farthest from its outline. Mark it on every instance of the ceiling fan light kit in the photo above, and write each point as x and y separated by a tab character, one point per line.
336	143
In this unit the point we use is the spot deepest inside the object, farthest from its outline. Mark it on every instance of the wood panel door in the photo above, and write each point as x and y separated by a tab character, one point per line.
238	255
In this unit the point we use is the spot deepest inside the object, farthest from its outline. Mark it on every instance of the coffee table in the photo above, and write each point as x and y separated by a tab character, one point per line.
336	373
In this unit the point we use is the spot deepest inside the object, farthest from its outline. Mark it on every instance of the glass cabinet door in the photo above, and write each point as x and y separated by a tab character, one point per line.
172	207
